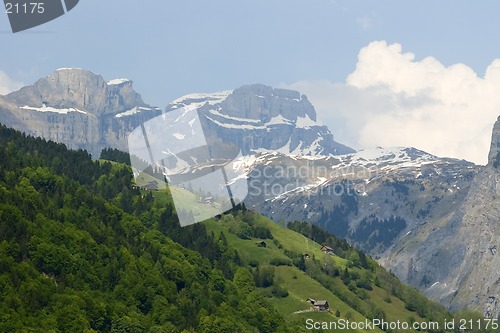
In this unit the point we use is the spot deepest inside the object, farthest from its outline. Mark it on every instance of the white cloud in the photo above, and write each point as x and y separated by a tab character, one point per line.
391	99
8	85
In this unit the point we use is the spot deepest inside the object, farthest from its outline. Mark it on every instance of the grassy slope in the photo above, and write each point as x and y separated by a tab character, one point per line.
301	286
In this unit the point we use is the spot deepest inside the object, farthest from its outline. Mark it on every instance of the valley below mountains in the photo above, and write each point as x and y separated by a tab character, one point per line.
434	222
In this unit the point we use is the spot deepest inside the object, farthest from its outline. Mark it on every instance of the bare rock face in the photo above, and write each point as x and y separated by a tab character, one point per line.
456	260
81	89
495	143
261	118
477	240
78	108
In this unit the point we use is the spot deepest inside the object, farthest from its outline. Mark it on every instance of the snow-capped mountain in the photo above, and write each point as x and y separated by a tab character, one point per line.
78	108
258	118
84	111
357	174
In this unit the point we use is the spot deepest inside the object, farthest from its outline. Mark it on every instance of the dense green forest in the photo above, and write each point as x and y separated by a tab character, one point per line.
83	250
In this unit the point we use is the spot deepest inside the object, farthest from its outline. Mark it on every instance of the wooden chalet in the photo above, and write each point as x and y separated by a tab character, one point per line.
319	305
327	249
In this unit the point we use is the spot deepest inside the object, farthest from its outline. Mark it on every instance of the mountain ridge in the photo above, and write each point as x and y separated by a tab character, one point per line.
78	108
261	118
81	109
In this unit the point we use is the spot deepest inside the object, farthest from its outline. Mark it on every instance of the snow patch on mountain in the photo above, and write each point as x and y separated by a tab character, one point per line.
305	122
235	119
51	109
67	69
398	157
279	120
179	136
117	81
194	101
135	110
236	126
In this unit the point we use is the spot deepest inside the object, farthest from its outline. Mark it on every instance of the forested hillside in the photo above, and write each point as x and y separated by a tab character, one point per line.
83	250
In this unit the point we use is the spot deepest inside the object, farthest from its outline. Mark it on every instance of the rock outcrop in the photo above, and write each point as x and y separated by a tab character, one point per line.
78	108
495	144
458	258
260	118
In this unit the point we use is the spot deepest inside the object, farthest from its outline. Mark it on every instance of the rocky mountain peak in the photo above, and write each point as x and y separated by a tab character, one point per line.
495	142
262	102
78	108
260	118
80	89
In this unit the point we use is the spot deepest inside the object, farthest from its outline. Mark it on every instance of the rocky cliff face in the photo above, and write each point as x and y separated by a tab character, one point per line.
495	144
81	89
259	118
455	259
475	239
78	108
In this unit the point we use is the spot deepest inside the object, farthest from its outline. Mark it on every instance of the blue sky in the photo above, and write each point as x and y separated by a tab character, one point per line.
171	48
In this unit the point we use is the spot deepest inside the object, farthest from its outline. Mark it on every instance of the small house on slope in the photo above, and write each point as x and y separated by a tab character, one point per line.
319	305
327	250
